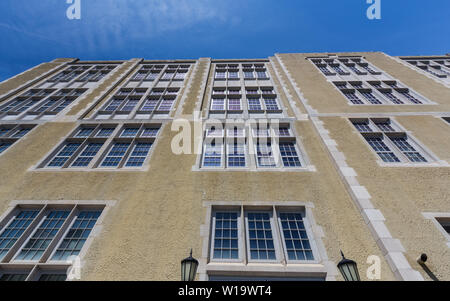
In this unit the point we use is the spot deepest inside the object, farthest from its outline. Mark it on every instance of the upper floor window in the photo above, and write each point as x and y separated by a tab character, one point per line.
39	104
82	73
264	147
391	143
379	93
438	67
101	146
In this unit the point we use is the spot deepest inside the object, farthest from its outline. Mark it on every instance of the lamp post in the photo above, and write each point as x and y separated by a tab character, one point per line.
348	269
189	268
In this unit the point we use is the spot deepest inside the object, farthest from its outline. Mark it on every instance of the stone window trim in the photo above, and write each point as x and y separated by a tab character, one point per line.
321	267
437	218
432	159
46	265
94	165
250	142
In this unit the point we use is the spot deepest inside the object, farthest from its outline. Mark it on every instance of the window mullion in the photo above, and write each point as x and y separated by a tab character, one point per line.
243	237
279	243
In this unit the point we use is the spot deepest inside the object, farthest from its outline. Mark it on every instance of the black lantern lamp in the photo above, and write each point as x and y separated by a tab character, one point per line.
189	268
348	269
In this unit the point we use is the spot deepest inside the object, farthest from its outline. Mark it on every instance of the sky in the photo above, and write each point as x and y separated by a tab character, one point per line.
36	31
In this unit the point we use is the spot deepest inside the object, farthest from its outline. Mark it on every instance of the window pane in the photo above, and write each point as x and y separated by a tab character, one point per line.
260	236
289	154
296	240
15	229
226	236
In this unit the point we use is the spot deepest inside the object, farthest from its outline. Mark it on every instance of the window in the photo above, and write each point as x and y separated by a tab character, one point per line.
445	224
254	104
271	104
266	146
212	155
407	149
44	237
116	154
87	155
226	239
262	242
39	103
135	99
218	104
234	104
236	155
265	155
389	141
382	149
11	133
371	98
386	90
394	99
82	73
289	154
353	98
95	146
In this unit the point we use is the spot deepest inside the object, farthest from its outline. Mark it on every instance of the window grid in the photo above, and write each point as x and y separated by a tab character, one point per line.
296	240
289	154
236	155
226	240
260	237
15	229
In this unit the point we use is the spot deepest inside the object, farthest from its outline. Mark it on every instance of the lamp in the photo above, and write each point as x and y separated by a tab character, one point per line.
348	269
189	268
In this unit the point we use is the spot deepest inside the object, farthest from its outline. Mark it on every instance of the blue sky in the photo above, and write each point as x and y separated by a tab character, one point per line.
34	31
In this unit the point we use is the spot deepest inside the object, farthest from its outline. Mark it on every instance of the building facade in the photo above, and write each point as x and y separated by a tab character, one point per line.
266	168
